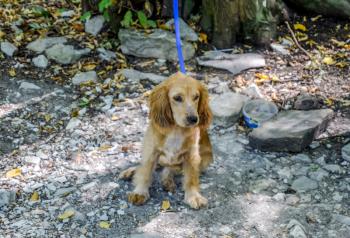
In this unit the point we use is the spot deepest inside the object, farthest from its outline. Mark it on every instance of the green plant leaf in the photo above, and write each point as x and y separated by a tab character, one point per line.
127	20
40	11
104	4
152	23
85	16
35	26
143	19
106	15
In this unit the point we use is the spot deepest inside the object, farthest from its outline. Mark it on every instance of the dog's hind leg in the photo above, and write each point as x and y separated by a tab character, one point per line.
127	174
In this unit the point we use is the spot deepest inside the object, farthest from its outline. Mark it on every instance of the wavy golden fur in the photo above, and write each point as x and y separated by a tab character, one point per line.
176	139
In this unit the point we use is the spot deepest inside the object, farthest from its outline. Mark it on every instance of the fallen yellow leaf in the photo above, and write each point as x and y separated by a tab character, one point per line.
48	117
114	118
105	225
35	196
328	60
104	147
203	38
316	18
13	173
66	214
12	72
165	205
89	67
328	102
299	26
275	78
262	76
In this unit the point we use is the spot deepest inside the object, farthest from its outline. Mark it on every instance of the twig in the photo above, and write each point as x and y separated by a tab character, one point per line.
297	43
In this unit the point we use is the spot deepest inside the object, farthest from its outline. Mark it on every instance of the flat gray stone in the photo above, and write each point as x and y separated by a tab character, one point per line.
333	168
296	229
186	32
227	108
73	123
301	158
280	49
94	25
304	184
25	86
41	44
342	219
106	55
159	44
8	49
345	152
6	197
318	175
290	130
40	61
68	13
138	75
84	77
65	54
235	63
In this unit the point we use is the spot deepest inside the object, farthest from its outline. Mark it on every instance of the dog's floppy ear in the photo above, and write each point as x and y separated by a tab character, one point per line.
204	112
160	109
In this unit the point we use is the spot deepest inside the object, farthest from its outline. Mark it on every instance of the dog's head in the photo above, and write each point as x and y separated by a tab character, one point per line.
180	100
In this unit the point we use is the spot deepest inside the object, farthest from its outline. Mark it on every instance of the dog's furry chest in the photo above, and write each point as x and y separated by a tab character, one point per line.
172	149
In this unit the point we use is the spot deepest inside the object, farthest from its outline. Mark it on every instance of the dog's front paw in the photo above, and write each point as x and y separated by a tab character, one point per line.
196	200
138	198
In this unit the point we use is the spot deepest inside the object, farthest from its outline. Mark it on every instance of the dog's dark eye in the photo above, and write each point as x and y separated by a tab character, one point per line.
196	98
178	98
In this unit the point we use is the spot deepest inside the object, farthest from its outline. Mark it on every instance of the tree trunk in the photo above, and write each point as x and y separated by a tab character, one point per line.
185	8
255	20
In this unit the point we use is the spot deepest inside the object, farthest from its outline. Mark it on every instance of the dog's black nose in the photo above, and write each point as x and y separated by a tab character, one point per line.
192	119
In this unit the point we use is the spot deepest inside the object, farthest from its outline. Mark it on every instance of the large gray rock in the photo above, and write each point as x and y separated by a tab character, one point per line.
65	54
84	77
40	61
227	108
8	48
345	152
186	32
41	44
159	44
338	8
94	25
304	184
140	76
290	130
6	197
233	63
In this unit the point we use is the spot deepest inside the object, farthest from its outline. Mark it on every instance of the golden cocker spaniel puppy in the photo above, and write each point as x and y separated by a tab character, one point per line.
176	139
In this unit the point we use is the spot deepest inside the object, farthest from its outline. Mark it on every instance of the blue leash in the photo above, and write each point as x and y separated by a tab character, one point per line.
177	33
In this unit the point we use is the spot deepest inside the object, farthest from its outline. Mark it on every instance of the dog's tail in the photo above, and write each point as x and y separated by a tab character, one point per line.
128	173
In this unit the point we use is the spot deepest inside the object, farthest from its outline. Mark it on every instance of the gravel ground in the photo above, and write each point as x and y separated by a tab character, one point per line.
250	193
